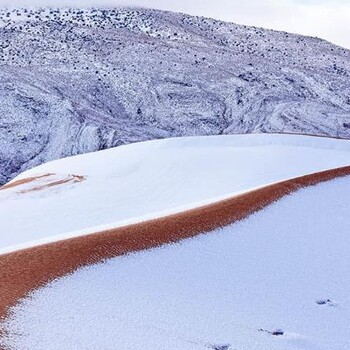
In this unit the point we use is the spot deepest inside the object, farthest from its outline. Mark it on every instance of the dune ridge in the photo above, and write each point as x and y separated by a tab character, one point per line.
25	270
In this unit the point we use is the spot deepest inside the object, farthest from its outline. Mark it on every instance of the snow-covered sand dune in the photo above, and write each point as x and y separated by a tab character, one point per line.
128	184
277	280
273	281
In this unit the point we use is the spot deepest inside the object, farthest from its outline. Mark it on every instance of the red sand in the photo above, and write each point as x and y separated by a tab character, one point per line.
23	271
23	181
32	180
69	179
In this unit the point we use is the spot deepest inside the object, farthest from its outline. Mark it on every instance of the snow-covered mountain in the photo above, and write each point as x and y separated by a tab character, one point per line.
74	81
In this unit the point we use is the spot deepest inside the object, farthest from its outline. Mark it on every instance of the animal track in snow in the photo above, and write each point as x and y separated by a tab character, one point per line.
220	347
276	332
328	302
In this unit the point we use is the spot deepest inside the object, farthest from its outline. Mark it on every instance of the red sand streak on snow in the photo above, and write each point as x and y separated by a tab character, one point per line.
69	179
23	181
38	186
23	271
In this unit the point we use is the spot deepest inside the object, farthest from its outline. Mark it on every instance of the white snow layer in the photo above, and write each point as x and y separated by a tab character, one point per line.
151	179
285	267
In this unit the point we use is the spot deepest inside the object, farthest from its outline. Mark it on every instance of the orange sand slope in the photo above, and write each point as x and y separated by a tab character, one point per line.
25	270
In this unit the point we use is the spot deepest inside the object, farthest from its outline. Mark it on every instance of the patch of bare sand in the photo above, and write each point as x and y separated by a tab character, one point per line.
41	182
71	179
23	271
23	181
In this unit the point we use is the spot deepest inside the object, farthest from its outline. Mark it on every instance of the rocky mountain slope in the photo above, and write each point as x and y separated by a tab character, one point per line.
74	81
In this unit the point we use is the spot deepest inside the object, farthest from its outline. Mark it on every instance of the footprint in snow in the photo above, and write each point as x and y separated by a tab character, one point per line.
326	302
220	347
276	332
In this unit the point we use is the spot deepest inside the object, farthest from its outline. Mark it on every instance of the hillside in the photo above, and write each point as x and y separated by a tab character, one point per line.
74	81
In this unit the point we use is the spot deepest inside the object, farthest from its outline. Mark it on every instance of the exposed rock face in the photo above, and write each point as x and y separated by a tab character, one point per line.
74	81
